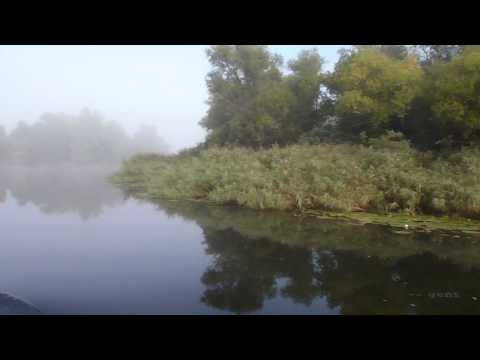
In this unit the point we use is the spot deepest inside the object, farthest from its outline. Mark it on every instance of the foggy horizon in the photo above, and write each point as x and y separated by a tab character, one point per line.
161	86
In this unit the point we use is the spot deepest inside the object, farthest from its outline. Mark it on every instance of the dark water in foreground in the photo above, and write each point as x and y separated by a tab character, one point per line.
70	243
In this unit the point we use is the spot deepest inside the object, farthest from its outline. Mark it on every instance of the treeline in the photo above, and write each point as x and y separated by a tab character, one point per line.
430	93
85	138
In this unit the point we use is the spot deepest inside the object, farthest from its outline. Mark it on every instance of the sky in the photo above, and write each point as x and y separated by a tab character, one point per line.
161	85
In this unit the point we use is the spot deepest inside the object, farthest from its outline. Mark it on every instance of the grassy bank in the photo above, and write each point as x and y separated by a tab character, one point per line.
384	176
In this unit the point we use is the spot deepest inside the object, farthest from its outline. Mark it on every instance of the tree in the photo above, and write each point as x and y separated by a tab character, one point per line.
4	150
86	138
398	52
305	83
146	139
249	104
430	54
453	93
20	146
371	90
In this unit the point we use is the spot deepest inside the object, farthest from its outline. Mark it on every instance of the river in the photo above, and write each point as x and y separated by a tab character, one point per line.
71	243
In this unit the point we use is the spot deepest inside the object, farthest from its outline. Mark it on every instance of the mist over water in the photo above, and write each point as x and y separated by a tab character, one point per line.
58	189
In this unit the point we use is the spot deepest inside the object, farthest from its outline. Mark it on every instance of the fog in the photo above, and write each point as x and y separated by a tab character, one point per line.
84	139
134	86
60	189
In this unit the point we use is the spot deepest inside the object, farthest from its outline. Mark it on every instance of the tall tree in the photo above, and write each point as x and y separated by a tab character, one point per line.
372	90
430	54
453	93
305	82
399	52
249	104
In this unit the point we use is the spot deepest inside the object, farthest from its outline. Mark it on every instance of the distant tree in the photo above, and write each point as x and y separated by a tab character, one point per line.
86	138
4	148
20	146
146	139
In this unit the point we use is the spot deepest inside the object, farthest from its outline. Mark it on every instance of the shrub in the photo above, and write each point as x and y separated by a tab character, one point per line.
383	175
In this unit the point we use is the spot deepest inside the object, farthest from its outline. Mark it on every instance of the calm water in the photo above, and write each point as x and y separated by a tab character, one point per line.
70	243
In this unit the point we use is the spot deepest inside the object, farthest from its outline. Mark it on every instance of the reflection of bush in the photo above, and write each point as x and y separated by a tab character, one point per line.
366	240
60	189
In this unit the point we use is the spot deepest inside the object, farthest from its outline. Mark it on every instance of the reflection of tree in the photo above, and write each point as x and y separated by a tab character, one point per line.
359	270
232	284
245	272
60	189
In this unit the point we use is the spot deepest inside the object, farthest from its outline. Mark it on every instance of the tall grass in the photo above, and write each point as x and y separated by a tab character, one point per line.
384	175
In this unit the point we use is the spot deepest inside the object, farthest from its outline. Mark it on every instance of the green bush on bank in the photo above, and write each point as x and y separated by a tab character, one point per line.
384	175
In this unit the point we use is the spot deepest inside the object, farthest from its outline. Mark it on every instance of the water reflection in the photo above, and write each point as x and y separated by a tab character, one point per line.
83	190
358	269
192	258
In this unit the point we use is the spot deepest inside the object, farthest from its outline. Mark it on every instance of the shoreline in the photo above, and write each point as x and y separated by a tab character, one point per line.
396	221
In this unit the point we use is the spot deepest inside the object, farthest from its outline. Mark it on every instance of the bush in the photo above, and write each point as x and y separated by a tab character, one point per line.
383	175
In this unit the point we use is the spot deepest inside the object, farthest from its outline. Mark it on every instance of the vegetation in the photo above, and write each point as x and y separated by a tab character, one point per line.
253	104
429	93
391	129
373	90
385	175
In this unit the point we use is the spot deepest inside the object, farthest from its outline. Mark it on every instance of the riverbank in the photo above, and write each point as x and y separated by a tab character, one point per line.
385	177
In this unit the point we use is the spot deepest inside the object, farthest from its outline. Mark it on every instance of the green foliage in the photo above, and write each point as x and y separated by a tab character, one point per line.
399	52
244	88
453	90
373	89
253	104
384	175
430	54
305	82
339	141
428	92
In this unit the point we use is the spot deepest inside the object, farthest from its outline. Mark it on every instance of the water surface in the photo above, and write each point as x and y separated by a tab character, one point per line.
71	243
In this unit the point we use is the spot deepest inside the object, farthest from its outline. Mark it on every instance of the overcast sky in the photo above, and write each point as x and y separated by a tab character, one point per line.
133	85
